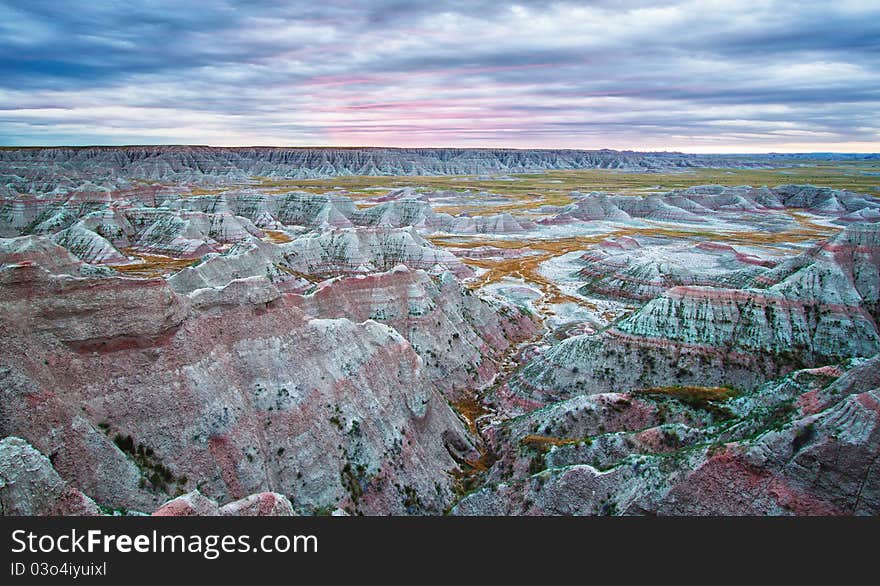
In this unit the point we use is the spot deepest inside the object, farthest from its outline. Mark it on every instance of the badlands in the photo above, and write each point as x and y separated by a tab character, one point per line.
206	331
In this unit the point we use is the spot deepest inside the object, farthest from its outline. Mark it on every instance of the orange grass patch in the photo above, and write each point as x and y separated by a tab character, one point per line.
526	267
276	236
153	265
541	441
470	409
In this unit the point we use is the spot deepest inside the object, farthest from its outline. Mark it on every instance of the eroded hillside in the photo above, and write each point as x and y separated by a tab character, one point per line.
213	331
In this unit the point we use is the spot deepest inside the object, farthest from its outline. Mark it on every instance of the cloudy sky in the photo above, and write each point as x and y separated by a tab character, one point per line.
698	75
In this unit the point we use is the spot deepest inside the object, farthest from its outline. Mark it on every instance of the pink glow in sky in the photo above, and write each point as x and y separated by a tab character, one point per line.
694	76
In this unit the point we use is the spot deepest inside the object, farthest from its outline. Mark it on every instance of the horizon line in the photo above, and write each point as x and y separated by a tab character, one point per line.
435	148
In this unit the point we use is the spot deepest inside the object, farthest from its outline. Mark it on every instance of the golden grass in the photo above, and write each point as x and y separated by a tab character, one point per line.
542	441
527	267
805	232
194	191
534	190
153	265
276	236
304	276
691	394
808	224
470	409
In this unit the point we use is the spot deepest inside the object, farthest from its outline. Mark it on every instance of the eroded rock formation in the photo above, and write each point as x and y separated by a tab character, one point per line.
183	331
818	308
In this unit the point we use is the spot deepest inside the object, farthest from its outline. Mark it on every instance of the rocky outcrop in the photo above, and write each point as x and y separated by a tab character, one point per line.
416	211
595	206
306	209
699	204
195	504
815	309
820	465
692	452
329	411
88	246
186	234
655	207
89	311
367	250
459	336
31	250
192	504
248	258
103	166
844	271
29	485
749	321
264	504
622	269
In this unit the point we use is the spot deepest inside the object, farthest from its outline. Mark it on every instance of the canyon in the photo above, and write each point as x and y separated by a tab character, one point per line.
270	331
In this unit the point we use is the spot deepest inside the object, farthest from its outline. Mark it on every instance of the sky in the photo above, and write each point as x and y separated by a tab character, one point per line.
687	75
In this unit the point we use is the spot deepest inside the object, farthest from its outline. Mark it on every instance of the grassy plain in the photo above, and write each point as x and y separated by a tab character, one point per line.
532	190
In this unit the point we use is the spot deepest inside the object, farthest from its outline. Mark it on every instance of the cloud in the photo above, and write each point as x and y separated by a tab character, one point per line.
683	74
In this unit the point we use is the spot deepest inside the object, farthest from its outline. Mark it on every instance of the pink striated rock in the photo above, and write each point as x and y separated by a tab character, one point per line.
193	504
671	458
264	504
459	335
279	400
38	250
621	268
489	252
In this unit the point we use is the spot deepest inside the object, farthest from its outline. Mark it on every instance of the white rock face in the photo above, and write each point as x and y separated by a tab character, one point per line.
29	485
699	204
756	322
623	269
264	504
88	246
459	336
195	504
353	251
248	258
818	308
